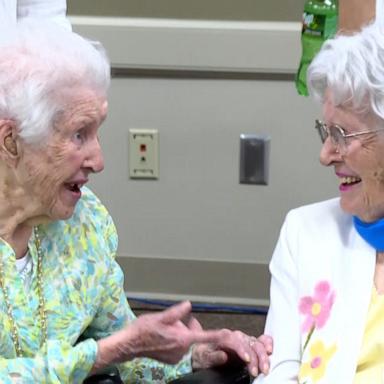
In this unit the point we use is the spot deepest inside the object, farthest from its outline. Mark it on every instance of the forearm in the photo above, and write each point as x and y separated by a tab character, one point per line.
131	363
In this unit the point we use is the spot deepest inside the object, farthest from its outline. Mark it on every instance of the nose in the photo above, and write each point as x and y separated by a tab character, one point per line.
95	159
329	153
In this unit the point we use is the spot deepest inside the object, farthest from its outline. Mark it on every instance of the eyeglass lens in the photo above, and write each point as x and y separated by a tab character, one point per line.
337	136
336	133
322	129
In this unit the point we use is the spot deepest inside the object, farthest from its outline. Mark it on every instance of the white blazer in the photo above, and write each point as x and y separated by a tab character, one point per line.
318	244
13	10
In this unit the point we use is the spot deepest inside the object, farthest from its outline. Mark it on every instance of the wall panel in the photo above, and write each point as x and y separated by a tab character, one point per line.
196	232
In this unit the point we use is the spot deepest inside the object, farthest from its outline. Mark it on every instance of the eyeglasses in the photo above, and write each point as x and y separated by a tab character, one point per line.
337	134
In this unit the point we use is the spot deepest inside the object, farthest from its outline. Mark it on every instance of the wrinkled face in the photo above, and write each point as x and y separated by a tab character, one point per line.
360	168
52	174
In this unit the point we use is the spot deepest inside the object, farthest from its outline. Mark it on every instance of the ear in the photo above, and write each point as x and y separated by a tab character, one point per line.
9	148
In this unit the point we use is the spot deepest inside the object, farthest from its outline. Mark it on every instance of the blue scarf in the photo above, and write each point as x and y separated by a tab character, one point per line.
372	233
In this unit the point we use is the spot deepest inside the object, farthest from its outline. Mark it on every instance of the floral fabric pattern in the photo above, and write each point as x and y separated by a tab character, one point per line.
85	301
317	364
317	310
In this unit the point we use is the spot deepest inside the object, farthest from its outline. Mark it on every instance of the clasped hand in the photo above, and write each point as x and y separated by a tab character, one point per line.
168	335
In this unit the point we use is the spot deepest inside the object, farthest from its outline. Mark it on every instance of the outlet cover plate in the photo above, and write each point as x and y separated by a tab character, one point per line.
143	153
254	159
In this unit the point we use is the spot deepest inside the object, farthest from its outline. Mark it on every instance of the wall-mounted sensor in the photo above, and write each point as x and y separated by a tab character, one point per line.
254	158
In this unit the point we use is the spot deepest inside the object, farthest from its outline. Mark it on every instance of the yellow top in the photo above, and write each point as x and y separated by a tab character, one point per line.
370	365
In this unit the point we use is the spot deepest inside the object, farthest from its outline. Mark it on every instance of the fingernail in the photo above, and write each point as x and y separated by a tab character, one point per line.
265	368
247	358
254	372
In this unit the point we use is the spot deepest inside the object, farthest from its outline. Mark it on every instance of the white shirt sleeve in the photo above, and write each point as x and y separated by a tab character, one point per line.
54	10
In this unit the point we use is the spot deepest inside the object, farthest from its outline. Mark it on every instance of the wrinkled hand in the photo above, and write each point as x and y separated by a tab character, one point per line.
165	336
162	336
233	346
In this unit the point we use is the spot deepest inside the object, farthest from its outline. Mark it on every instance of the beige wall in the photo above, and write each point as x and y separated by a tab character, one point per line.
287	10
196	232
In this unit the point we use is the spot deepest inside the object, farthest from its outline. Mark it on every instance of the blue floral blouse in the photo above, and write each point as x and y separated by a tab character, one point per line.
85	301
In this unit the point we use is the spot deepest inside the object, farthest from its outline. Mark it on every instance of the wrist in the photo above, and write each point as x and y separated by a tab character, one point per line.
112	350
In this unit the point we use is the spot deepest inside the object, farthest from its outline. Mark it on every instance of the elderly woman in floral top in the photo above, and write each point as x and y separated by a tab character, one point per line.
63	312
327	290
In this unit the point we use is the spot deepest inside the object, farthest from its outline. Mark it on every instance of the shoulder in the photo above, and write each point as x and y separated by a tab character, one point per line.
321	207
315	233
316	226
320	215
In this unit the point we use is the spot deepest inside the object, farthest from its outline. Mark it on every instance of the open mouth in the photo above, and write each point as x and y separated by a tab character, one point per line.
73	187
350	180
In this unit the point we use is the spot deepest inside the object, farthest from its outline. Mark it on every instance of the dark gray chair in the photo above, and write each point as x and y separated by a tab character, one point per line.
108	377
224	375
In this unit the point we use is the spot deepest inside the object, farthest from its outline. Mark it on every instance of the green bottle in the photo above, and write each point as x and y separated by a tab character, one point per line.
319	24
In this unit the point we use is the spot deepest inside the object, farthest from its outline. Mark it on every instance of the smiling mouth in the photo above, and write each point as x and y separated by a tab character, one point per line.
349	180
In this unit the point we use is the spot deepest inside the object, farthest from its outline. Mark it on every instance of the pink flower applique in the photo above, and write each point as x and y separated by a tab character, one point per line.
317	308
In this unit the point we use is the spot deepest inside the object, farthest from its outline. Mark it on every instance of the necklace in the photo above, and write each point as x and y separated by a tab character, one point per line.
42	314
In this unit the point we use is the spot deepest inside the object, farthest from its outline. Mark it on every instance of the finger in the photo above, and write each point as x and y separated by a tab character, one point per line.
194	324
252	366
267	341
212	336
249	344
261	359
236	343
176	312
239	344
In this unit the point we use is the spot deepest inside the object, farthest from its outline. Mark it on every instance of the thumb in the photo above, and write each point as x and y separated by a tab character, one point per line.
176	312
216	358
194	324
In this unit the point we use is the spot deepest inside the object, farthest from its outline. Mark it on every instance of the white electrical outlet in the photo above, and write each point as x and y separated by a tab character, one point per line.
143	153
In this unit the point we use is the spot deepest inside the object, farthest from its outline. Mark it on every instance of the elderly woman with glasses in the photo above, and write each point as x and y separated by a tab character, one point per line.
63	311
327	289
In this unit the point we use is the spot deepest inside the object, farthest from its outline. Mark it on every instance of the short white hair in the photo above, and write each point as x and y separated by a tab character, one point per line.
37	60
352	68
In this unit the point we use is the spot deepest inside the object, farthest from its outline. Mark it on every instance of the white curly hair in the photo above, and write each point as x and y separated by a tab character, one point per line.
351	67
38	59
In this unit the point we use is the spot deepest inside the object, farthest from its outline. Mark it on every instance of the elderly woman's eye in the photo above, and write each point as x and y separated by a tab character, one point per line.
79	136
